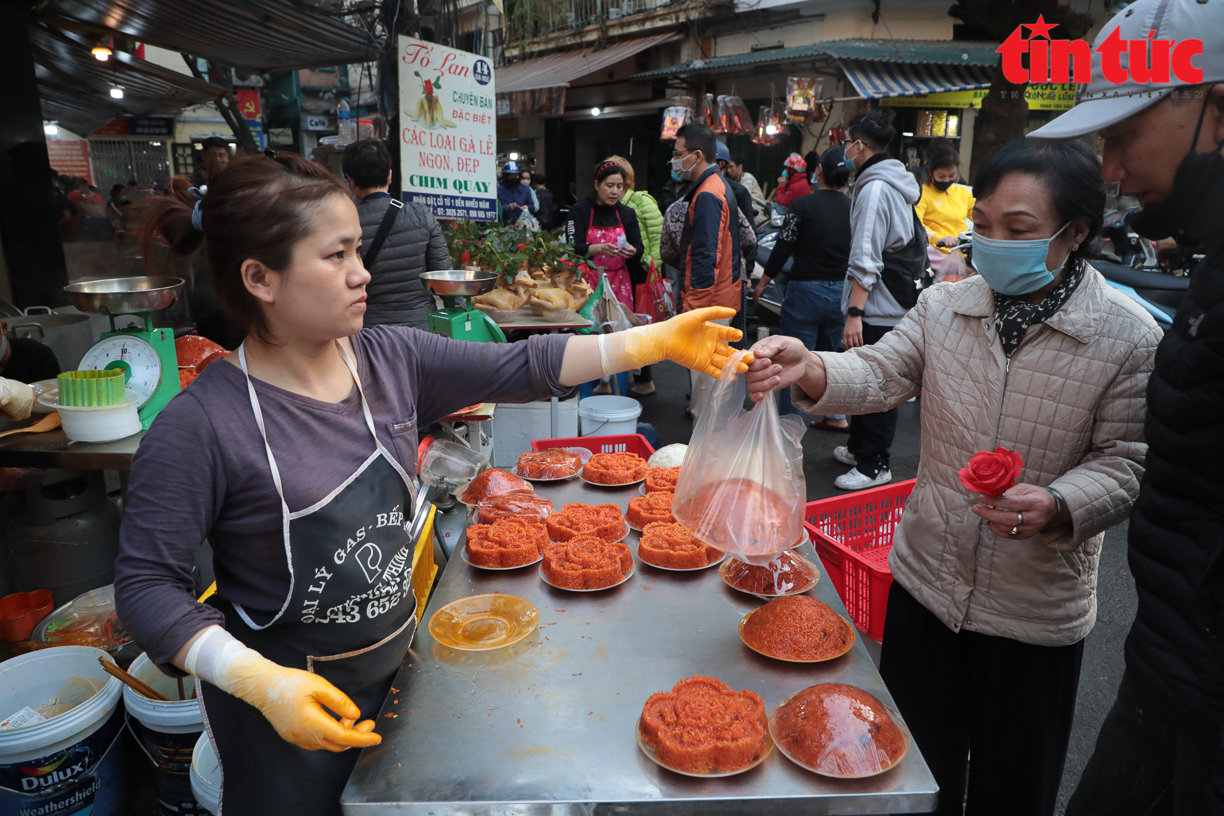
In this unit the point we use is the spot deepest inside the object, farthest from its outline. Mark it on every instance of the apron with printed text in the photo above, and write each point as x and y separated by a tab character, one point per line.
349	617
613	266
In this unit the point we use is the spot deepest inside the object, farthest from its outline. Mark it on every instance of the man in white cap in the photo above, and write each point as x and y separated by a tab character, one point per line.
1160	745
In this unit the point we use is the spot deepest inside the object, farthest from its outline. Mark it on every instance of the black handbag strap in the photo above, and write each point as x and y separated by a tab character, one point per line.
384	229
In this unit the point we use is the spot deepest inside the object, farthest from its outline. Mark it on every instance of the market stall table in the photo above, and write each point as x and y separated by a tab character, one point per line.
55	450
524	320
546	726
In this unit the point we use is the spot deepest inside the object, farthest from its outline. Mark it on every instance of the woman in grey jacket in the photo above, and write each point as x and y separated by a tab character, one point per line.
992	596
414	245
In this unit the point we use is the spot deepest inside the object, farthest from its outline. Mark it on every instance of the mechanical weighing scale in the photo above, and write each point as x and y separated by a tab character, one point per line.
145	354
458	319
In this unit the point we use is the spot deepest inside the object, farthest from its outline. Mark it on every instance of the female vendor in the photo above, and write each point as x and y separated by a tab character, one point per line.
295	457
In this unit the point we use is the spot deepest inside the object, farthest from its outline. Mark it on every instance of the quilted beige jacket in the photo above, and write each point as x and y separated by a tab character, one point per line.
1070	401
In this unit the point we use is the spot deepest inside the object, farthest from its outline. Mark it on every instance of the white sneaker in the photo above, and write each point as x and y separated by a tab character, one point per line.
842	454
854	479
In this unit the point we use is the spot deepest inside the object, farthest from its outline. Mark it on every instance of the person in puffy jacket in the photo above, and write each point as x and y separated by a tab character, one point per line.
414	245
993	595
793	182
1161	747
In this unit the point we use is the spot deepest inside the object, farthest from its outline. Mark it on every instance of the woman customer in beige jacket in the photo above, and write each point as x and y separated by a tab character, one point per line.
992	597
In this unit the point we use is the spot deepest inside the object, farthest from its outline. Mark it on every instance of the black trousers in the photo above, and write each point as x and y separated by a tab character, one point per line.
1009	704
1144	763
871	435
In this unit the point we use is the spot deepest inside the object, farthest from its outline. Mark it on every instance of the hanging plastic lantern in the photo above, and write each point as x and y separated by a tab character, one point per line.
801	96
675	118
769	127
707	111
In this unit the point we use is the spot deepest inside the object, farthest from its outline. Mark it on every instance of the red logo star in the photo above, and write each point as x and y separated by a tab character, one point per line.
1040	28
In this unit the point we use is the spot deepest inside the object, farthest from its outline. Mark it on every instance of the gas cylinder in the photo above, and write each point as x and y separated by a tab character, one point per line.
66	536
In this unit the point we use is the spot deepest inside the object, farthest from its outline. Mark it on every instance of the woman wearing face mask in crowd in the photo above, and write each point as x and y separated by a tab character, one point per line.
993	596
945	207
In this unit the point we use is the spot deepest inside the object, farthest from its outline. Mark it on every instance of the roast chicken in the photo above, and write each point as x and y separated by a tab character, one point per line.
507	299
555	298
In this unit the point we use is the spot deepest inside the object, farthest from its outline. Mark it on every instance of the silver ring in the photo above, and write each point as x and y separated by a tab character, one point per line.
1019	519
1015	532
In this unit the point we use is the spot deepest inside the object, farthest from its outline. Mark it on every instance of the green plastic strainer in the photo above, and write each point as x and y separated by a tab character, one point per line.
92	388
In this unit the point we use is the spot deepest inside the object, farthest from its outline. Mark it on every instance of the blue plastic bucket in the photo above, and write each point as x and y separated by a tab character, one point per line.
72	763
167	733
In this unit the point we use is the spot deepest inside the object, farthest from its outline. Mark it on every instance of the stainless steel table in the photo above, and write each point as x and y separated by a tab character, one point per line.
546	727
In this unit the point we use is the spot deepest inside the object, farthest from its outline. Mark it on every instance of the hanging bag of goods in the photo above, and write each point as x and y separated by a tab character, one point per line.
674	119
769	127
735	116
741	488
801	95
654	297
707	112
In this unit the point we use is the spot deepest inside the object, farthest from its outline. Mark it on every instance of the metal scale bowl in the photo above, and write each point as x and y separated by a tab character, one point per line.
144	353
457	318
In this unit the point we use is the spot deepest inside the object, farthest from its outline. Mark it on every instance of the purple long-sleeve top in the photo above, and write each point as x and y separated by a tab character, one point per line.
201	470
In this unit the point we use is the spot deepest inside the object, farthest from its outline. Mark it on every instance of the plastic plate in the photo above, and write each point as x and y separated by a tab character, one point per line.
798	590
626	577
892	712
481	622
463	554
654	757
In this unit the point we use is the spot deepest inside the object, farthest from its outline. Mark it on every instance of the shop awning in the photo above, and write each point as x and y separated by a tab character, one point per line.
826	52
563	67
876	80
76	87
263	35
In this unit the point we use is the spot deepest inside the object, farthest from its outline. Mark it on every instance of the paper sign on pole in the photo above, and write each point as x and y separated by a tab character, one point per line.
448	130
70	157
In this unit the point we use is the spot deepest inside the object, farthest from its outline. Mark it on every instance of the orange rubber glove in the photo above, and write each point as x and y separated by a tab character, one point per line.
686	339
291	699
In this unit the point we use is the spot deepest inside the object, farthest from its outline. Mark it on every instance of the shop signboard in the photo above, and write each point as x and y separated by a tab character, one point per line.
448	141
70	158
1055	97
317	122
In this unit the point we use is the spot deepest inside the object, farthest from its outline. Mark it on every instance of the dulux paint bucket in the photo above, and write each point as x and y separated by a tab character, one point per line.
72	763
167	733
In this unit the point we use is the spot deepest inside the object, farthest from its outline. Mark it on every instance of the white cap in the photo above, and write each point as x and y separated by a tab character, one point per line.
1102	103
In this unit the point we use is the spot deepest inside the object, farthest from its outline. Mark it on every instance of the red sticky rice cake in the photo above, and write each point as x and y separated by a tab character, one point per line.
784	574
672	546
508	542
702	726
662	479
586	562
650	508
741	516
575	519
556	463
492	482
614	468
515	503
839	729
798	627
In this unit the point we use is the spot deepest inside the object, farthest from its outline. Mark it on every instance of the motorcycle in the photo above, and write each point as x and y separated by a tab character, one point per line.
769	310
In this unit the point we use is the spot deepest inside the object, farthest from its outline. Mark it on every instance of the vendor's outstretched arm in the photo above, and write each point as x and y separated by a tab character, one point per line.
687	339
293	700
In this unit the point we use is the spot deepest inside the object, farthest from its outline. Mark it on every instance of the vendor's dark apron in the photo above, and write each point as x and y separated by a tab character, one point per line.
349	617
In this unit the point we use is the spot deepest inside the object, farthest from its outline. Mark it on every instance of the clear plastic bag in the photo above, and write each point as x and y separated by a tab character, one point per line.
515	503
953	268
741	488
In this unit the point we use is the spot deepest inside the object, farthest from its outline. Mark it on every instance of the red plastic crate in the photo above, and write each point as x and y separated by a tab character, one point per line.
623	443
853	535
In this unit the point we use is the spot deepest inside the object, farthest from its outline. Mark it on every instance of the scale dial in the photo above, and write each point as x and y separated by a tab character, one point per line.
142	368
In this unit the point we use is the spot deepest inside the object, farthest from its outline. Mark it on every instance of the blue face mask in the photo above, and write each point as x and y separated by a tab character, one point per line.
676	178
848	162
1014	267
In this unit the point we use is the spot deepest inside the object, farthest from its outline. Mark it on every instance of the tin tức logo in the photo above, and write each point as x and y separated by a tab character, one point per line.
1061	61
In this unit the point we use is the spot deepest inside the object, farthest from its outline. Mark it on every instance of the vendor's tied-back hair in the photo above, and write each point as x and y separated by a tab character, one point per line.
258	208
874	129
608	168
1069	170
832	167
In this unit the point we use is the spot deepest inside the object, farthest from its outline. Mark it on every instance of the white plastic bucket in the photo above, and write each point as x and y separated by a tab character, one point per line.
206	775
609	415
68	764
167	733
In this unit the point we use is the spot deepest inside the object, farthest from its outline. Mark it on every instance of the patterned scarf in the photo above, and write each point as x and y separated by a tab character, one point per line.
1014	315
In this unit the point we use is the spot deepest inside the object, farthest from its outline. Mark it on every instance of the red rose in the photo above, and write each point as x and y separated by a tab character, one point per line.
522	246
428	88
465	257
992	473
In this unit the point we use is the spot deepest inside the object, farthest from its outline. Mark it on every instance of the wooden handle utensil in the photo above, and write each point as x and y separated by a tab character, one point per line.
48	423
139	686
